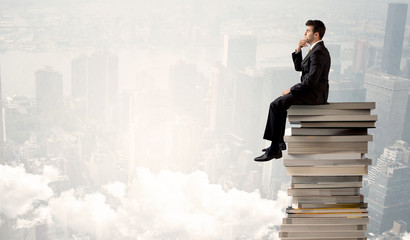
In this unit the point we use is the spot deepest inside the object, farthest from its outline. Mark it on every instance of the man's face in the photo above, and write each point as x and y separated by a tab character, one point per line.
309	35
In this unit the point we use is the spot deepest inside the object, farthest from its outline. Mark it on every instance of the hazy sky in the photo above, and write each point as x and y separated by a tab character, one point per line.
165	203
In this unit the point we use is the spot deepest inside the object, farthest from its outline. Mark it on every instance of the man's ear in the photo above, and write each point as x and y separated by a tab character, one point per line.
316	34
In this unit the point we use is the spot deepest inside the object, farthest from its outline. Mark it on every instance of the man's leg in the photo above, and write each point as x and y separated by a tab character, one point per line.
276	123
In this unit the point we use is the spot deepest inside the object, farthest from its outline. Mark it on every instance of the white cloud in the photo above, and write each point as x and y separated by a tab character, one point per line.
116	189
19	190
190	207
176	205
406	236
89	213
38	216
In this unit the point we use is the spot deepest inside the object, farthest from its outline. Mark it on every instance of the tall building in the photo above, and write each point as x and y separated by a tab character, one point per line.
221	99
360	57
239	52
49	89
389	192
336	66
390	94
79	74
2	129
102	85
189	88
393	38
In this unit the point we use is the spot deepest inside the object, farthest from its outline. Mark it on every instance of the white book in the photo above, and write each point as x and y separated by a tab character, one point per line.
333	118
325	162
327	131
325	156
328	139
338	105
327	171
321	228
326	221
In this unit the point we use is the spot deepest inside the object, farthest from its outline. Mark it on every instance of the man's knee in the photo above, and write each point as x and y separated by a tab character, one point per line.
278	103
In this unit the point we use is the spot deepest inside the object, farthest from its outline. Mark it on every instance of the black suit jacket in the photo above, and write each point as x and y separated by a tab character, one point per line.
314	82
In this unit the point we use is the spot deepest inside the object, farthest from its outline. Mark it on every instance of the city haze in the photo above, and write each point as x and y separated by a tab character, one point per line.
141	119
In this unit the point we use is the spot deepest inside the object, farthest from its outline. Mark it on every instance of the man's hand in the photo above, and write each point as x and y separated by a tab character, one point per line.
284	92
302	43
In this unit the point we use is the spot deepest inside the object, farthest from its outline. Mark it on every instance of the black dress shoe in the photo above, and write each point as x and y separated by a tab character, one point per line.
269	155
282	146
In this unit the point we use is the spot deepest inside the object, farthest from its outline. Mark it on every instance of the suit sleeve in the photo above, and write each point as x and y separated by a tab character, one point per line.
309	81
297	60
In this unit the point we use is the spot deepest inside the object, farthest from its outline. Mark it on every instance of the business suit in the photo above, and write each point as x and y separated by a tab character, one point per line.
312	89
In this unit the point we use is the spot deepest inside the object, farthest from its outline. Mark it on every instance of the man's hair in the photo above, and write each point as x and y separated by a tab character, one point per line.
318	26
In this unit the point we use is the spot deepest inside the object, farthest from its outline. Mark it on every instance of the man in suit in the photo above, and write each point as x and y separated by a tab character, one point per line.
312	89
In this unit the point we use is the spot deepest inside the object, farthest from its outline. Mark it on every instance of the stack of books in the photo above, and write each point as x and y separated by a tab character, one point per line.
326	159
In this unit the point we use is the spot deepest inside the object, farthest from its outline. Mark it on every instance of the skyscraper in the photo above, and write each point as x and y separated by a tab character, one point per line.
361	50
393	38
2	160
390	94
239	52
102	85
389	192
79	76
49	89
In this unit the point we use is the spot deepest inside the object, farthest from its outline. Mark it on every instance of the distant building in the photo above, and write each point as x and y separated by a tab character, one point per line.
2	128
79	75
360	57
336	66
389	189
393	38
188	88
102	85
390	94
239	52
49	90
221	99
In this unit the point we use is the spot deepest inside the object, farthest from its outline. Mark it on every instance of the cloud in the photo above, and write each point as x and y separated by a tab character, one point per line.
406	236
89	213
19	190
176	205
189	207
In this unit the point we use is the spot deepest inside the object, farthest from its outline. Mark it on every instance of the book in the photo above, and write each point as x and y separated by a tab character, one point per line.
338	105
328	139
324	205
317	150
327	171
321	235
327	215
328	199
327	131
333	118
337	124
323	111
297	192
325	210
324	238
326	179
325	162
321	227
326	221
325	156
327	185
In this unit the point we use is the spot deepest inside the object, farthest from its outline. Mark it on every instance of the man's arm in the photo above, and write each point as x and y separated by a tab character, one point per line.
297	55
310	80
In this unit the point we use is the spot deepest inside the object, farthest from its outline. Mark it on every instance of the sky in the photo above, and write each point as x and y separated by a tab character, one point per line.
165	203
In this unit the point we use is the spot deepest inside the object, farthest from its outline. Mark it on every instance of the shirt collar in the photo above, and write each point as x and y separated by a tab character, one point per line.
315	44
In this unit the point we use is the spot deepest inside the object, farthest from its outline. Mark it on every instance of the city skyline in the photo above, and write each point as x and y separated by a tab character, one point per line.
141	120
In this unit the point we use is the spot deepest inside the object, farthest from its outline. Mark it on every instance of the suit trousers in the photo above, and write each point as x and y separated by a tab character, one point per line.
276	123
